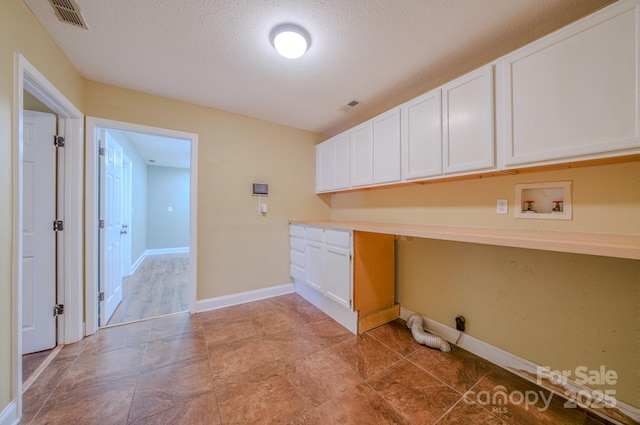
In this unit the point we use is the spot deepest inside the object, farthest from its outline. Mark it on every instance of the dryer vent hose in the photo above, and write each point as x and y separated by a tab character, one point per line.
416	323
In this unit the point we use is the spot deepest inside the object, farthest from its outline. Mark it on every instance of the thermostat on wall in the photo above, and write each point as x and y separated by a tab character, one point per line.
260	189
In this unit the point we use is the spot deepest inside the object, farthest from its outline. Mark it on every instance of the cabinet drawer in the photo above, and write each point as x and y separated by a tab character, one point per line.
314	234
297	258
296	243
298	273
296	230
341	238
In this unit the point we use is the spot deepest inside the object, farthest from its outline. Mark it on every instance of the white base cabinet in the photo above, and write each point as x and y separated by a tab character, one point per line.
354	284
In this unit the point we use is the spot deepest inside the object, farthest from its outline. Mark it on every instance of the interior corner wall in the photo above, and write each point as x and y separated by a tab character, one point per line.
553	309
238	250
21	32
138	226
167	207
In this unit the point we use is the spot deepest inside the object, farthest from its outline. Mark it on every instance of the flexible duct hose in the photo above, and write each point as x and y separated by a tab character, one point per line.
416	323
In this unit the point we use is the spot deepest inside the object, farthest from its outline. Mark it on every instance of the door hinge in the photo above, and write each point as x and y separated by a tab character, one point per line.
101	151
101	296
58	310
58	141
58	225
100	224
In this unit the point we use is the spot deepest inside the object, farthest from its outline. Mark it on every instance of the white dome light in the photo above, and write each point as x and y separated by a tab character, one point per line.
290	40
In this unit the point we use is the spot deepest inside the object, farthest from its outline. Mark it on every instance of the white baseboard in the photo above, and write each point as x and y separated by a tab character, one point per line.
158	251
521	367
9	416
243	297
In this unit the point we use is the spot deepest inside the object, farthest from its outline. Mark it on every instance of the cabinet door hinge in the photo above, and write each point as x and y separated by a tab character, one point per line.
58	141
58	310
100	224
58	225
101	151
101	296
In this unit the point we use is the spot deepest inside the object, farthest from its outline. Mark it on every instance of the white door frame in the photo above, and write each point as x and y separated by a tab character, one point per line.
128	175
70	125
92	217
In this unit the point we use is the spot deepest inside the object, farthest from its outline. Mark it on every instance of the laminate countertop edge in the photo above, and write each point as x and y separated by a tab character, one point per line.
617	245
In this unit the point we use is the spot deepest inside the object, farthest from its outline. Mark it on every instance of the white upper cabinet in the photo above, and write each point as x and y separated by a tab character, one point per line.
421	132
361	138
573	94
468	123
341	161
386	147
375	150
332	164
324	166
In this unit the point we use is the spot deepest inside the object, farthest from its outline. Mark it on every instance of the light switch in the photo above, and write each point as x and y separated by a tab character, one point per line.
263	208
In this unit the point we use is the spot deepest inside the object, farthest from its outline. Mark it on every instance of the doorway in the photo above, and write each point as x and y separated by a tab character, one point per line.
141	148
69	243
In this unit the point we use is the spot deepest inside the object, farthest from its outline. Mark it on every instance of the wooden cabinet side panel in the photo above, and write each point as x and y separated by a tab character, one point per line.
373	271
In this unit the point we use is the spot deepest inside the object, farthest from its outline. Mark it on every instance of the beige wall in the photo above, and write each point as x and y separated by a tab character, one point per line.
20	32
557	309
237	249
554	309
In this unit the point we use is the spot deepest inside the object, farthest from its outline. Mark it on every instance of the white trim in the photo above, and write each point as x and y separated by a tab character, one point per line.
243	297
92	214
517	365
138	262
159	251
162	251
9	416
27	77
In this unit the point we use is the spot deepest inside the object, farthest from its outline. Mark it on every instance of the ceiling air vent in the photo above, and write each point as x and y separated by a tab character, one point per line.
349	106
69	12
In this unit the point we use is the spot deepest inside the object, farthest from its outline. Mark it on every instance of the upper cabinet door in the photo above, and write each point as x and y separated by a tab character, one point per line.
386	147
332	164
362	154
468	123
574	93
324	166
421	132
341	161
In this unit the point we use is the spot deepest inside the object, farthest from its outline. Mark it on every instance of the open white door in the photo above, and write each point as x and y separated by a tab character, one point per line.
39	243
111	206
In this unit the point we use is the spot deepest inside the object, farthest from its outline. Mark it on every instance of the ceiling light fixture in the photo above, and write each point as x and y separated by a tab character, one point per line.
290	40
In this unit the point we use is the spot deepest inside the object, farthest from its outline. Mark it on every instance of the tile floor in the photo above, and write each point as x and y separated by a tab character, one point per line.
278	361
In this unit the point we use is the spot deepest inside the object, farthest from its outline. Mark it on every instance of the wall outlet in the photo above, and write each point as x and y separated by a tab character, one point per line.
460	323
502	206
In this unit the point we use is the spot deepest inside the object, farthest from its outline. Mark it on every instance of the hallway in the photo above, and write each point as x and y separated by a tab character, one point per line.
160	286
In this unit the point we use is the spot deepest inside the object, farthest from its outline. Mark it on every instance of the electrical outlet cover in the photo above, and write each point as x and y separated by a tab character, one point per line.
502	206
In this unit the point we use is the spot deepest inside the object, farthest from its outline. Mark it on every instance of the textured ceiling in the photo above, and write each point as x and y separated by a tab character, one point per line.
216	53
157	150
